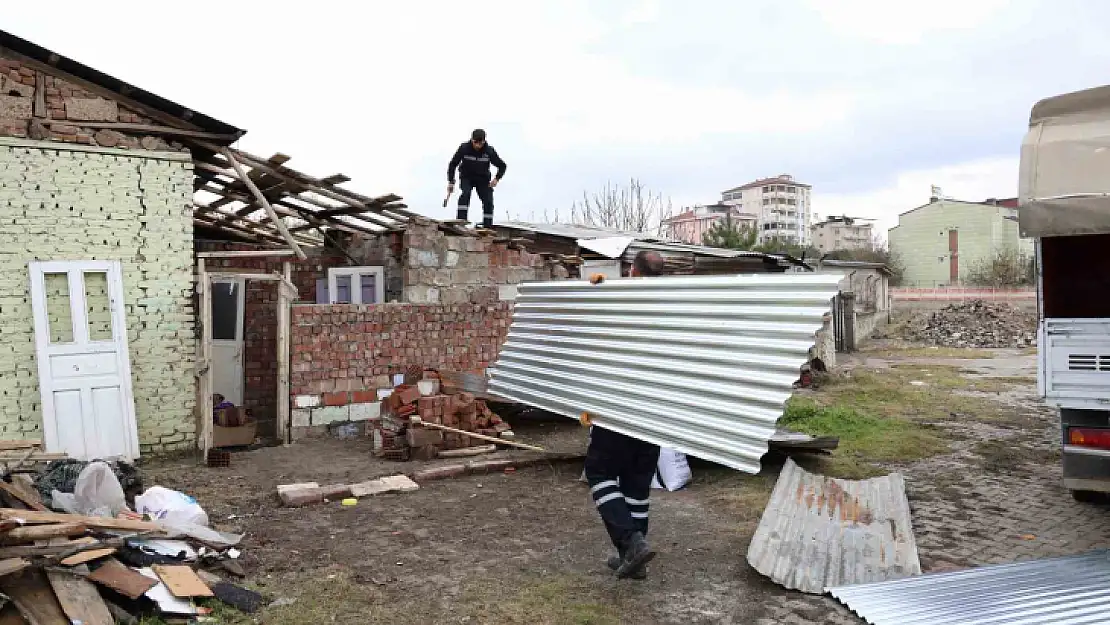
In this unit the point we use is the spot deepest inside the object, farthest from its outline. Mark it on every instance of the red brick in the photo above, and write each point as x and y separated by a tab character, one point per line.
336	399
439	473
302	497
363	397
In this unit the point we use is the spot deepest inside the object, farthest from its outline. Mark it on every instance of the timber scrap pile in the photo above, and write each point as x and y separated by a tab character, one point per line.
59	569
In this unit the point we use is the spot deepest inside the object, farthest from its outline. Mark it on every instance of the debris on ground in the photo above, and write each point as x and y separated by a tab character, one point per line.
788	441
818	532
450	418
974	324
309	493
97	559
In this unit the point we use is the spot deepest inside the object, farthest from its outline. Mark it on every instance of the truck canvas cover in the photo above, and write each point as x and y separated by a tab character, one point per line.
1064	180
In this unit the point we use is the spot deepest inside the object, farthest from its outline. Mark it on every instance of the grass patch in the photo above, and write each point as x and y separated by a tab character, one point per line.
930	352
554	600
866	438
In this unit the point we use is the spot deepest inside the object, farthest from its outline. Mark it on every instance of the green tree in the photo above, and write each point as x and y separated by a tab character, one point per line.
1006	268
730	235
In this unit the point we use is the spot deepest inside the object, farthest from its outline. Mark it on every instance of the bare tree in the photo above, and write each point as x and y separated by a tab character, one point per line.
632	209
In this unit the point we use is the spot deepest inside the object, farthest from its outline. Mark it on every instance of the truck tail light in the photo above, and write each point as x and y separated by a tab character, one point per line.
1089	437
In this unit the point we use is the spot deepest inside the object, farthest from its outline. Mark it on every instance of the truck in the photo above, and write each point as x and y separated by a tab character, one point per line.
1064	205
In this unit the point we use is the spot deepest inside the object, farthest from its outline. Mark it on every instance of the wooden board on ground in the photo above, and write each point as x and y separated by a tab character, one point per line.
35	516
182	581
32	501
80	600
467	451
32	595
10	615
131	584
393	483
87	556
27	444
12	565
32	533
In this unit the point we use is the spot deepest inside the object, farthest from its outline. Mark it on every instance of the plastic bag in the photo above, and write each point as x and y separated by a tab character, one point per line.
673	472
170	507
97	493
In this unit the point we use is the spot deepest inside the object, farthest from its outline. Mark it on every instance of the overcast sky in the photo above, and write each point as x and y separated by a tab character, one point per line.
871	102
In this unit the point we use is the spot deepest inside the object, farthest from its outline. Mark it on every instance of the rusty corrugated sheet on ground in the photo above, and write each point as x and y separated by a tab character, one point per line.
818	531
700	364
1072	589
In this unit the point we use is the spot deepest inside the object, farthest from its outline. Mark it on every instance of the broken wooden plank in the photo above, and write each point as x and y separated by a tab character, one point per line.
12	565
127	582
10	615
35	516
466	451
33	502
19	444
182	581
79	598
43	532
34	598
88	556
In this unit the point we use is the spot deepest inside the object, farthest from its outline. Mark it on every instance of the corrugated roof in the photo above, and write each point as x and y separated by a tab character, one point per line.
1072	589
572	231
702	364
819	531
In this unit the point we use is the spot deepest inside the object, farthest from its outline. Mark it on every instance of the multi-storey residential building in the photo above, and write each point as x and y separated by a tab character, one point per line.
841	233
781	206
691	225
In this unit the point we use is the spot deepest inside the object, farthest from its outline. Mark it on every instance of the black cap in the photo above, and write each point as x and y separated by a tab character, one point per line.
478	135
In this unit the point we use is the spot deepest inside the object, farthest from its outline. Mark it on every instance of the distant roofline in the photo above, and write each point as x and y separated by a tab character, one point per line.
992	202
765	181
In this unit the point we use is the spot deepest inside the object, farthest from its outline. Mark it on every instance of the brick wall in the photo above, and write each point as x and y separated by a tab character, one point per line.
59	114
448	269
342	355
69	202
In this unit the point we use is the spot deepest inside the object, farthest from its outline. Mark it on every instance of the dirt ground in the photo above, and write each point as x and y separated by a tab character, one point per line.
527	547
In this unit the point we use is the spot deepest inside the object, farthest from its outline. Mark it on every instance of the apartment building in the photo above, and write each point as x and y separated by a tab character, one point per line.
780	204
841	233
691	225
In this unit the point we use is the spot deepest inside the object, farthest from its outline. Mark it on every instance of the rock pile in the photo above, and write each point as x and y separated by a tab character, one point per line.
976	324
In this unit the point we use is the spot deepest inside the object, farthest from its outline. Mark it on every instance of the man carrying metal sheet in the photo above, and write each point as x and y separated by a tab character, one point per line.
619	469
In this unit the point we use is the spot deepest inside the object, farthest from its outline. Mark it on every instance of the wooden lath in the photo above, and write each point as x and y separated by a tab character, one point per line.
249	191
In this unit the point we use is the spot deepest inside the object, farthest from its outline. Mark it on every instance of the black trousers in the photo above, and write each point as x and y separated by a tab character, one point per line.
485	194
619	469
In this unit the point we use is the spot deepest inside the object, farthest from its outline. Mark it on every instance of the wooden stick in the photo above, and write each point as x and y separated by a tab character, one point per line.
10	445
283	322
466	452
278	223
22	496
42	532
482	437
240	254
204	410
35	517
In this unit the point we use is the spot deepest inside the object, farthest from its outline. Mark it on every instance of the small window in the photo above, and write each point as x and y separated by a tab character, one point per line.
352	285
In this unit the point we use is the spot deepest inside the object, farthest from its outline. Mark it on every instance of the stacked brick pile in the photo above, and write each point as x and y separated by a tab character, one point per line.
396	439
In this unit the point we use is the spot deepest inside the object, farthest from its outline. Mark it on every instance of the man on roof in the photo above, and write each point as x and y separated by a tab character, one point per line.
473	159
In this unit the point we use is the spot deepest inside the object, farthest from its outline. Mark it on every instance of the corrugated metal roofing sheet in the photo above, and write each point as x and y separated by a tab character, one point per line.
701	364
1072	589
819	531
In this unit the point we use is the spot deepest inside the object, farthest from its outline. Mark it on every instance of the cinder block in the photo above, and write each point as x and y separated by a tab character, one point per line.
421	437
306	401
366	411
330	414
301	418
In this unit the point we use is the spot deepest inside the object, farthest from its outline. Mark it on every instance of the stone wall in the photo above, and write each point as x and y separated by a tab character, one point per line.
72	202
342	355
446	269
63	112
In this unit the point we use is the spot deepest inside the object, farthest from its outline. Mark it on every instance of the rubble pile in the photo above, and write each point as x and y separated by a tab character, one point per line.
434	403
976	324
83	542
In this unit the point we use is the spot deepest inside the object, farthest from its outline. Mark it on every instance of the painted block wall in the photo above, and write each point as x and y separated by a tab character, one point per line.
921	239
71	202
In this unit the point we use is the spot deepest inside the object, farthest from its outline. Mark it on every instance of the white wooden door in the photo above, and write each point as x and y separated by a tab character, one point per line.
228	300
88	409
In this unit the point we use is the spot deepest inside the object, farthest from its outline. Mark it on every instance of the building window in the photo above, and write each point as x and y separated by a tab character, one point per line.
766	189
791	201
792	189
352	285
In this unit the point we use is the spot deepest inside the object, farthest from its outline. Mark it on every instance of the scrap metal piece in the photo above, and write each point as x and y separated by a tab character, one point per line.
700	364
788	441
819	531
1071	589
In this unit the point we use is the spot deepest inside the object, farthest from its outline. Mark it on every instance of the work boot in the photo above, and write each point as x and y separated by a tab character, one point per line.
614	563
635	556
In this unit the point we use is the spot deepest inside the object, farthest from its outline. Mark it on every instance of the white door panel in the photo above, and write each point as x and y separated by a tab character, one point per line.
83	363
228	301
